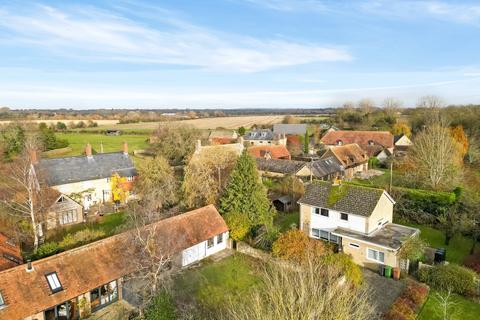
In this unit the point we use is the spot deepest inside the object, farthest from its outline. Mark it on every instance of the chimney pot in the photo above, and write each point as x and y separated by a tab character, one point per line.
88	150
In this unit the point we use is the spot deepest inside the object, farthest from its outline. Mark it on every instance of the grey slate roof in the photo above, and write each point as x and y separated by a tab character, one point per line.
279	165
58	171
324	167
281	128
261	134
390	235
357	200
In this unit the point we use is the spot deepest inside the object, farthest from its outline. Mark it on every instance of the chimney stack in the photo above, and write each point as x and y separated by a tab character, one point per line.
88	150
33	156
125	148
29	266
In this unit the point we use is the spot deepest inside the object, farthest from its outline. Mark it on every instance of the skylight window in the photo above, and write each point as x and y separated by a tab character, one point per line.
2	301
54	282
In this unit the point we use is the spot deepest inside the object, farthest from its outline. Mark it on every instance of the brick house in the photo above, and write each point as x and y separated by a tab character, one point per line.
351	157
75	283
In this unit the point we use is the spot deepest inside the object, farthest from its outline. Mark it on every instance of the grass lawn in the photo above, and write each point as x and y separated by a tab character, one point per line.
284	220
213	284
108	224
458	248
110	143
461	309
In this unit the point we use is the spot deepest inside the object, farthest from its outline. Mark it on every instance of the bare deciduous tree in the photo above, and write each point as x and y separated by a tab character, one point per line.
313	291
446	303
152	261
207	175
22	192
434	158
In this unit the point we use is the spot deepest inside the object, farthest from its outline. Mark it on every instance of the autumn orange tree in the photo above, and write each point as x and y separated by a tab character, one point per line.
458	134
401	128
294	245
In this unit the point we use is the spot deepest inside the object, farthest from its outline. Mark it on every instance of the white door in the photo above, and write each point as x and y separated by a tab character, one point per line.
192	254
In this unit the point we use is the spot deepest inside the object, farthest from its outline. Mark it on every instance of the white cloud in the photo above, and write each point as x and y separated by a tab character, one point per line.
290	5
449	11
94	34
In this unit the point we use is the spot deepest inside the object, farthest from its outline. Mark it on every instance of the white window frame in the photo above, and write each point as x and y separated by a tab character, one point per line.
68	216
220	237
343	213
354	245
313	235
212	240
315	209
376	255
53	282
328	212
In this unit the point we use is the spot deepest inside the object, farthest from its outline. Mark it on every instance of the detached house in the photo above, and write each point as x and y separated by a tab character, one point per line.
373	142
73	284
87	178
264	137
358	219
351	157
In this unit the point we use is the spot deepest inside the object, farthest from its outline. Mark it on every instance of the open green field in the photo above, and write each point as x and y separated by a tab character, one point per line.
110	143
460	309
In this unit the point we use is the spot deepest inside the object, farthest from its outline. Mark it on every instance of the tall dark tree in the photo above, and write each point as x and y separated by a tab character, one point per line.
245	197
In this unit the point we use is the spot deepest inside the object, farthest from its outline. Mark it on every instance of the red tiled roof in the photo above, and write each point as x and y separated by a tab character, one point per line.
9	248
275	151
222	140
349	155
88	267
362	138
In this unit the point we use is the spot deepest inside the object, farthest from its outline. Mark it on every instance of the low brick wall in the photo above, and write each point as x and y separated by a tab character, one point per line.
244	248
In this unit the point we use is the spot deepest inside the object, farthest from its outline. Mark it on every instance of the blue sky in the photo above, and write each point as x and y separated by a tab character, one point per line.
236	53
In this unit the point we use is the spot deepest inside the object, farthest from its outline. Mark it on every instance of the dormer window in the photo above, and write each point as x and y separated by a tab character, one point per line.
371	142
54	282
339	142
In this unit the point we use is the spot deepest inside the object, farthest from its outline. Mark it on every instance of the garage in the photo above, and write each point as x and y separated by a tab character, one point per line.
193	254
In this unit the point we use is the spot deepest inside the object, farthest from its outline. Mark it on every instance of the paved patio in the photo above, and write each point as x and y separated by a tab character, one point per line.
384	290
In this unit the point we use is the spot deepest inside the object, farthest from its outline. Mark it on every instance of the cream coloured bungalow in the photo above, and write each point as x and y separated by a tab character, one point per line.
358	219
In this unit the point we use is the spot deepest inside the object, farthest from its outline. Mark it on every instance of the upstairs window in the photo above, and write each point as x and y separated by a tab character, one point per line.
316	210
344	216
54	282
324	212
339	142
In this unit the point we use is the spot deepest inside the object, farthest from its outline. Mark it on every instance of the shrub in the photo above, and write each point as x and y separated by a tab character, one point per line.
296	246
344	262
473	262
47	249
400	310
452	277
416	292
239	225
80	238
161	308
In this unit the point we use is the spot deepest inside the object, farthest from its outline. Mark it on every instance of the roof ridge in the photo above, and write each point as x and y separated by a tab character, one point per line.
108	239
81	156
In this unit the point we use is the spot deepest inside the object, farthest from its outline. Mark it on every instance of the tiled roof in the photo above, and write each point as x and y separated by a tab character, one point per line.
281	128
349	155
279	165
261	134
10	255
383	138
275	151
353	199
390	235
230	134
324	167
65	170
90	266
